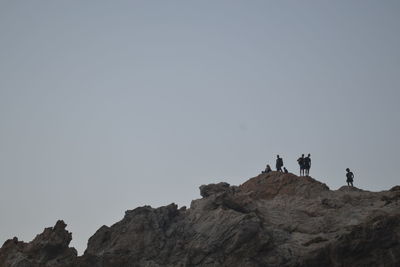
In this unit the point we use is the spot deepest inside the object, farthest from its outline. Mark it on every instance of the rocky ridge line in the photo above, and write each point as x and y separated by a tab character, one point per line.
273	219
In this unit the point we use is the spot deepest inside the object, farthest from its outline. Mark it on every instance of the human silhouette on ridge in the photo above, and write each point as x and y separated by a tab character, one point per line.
307	164
267	169
301	164
279	163
350	177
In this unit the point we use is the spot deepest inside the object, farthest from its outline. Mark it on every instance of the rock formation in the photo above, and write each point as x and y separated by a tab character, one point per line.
49	248
273	219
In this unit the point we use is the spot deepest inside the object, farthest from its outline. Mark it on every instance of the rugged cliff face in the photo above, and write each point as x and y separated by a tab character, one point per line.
273	219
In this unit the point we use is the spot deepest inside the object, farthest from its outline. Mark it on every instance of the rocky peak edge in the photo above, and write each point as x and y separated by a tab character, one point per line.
273	219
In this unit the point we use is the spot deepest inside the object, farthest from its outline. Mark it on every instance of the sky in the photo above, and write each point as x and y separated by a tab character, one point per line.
110	105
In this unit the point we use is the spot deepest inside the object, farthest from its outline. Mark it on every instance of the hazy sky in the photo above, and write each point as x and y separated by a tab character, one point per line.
110	105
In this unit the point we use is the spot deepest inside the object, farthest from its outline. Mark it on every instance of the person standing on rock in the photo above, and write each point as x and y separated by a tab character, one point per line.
301	164
307	164
350	177
279	163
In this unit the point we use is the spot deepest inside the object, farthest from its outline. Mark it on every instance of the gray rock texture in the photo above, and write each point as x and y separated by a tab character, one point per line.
49	248
273	219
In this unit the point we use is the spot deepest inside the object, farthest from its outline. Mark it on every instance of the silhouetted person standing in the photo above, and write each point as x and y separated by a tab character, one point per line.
350	177
301	164
285	170
279	163
307	164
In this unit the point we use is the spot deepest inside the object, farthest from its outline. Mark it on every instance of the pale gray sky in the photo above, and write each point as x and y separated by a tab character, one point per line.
110	105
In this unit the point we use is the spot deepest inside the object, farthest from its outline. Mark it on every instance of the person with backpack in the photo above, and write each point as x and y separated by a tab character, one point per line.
279	163
307	164
301	164
350	177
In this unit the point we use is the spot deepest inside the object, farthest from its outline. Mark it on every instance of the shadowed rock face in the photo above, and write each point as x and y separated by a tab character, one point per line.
49	248
273	219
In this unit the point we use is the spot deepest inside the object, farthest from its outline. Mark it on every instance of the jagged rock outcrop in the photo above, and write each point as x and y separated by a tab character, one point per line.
273	219
49	248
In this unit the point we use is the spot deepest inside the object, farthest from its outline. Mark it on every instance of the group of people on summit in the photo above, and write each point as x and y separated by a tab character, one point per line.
279	166
305	166
304	162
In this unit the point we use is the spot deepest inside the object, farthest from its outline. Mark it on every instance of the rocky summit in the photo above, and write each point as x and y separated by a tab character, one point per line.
273	219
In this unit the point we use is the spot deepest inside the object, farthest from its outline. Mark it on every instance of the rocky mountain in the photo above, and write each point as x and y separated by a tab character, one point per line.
273	219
